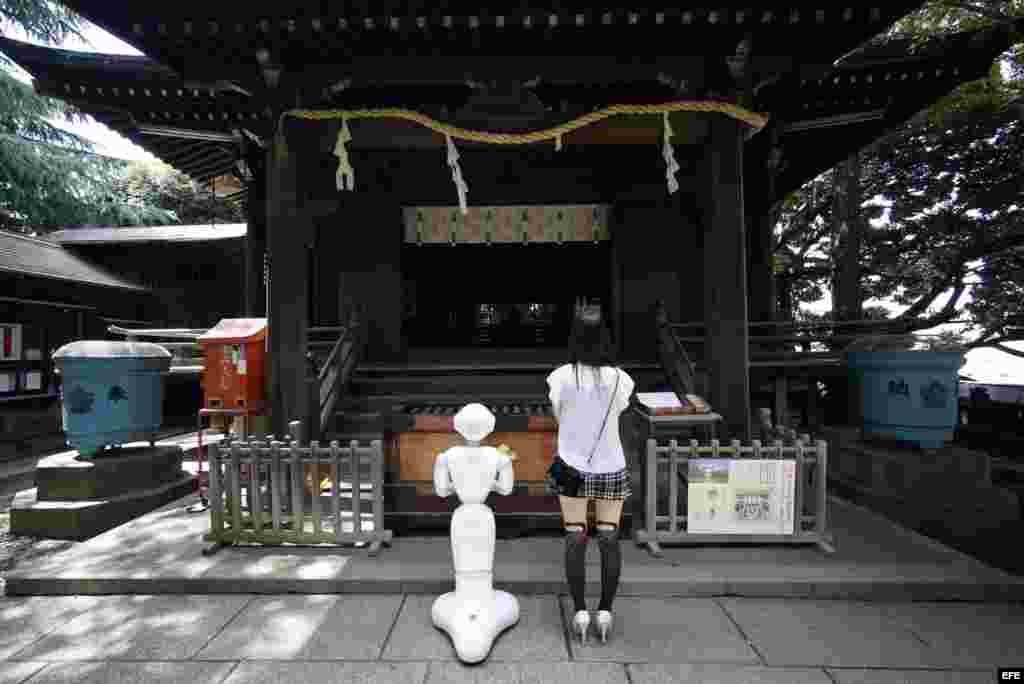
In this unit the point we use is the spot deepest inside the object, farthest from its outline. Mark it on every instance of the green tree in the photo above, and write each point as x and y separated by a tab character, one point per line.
51	178
160	186
949	183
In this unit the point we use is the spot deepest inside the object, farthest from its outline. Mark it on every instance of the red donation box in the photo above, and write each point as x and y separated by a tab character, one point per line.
235	355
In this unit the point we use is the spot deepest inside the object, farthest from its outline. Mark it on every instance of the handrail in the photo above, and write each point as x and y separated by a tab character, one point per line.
325	388
177	333
809	325
345	334
181	359
674	360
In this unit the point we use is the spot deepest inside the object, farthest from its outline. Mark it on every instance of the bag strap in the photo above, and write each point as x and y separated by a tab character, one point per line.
607	413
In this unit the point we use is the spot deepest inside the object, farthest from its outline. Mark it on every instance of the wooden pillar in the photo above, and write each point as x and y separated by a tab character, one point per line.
725	285
255	250
289	238
759	189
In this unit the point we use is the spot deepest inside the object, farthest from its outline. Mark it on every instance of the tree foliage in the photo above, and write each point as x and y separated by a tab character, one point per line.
948	185
160	186
51	178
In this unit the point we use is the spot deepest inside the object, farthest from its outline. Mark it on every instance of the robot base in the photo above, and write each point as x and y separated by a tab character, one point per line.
473	624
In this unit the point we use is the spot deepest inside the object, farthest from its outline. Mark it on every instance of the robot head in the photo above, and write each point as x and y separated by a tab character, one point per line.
474	422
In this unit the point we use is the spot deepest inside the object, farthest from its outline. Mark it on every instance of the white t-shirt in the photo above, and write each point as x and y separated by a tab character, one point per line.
581	411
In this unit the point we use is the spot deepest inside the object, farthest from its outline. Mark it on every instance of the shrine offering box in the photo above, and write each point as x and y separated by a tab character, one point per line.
235	361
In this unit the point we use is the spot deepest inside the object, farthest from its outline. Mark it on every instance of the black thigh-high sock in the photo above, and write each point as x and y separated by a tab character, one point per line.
611	565
575	571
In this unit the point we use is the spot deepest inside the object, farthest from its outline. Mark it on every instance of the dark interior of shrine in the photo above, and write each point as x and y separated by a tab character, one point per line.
499	295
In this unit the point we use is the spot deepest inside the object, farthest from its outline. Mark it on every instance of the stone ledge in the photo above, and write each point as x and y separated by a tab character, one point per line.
80	520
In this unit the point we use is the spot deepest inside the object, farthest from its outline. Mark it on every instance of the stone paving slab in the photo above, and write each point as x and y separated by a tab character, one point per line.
911	677
138	628
328	673
828	633
666	630
966	636
133	673
538	636
161	553
18	672
723	674
24	620
307	628
526	673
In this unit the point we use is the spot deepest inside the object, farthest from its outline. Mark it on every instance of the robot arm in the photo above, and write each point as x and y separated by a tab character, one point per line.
505	480
442	478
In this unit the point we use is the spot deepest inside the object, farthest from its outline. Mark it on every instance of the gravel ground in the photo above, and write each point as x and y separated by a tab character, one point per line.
16	549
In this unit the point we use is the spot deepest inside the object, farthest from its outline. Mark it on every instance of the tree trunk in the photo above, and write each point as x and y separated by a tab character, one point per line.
847	294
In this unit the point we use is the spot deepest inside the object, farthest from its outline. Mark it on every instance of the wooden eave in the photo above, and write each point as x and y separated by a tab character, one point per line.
823	121
220	41
823	112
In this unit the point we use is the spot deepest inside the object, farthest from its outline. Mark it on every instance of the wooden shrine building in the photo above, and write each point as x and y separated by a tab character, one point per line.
462	174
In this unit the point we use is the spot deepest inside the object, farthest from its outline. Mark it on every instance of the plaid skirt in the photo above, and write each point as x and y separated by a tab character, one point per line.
615	485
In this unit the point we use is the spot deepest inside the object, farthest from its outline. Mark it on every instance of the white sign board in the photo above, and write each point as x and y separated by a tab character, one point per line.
740	496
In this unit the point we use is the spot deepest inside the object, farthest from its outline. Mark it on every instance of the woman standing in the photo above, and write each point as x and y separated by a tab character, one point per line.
588	394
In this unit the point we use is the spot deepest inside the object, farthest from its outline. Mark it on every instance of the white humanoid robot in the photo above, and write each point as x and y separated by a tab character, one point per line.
474	614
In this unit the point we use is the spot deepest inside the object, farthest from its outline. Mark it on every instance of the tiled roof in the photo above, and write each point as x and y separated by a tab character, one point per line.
203	233
45	259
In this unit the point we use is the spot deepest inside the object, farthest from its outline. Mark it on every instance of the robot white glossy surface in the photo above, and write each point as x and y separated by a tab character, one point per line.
474	614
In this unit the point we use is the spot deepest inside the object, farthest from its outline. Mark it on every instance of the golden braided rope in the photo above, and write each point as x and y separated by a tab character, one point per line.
753	119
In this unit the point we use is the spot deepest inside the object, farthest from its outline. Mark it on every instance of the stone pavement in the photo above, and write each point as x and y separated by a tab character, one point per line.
389	638
161	553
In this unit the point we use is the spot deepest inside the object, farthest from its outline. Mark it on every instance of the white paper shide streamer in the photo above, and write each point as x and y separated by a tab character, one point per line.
672	166
460	182
346	176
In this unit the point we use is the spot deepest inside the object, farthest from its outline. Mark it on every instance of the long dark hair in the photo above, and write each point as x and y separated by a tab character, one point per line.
590	342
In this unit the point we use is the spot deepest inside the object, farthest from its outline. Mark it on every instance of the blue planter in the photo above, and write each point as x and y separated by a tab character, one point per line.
112	392
907	395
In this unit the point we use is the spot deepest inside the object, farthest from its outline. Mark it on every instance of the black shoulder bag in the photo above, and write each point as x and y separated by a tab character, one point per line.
567	479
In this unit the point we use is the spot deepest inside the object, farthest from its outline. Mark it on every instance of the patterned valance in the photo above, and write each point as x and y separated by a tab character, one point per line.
507	224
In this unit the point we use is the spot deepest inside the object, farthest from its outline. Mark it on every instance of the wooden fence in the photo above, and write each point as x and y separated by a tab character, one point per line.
810	498
268	492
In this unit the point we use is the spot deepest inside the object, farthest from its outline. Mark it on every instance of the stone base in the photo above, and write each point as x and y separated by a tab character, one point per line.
77	497
69	476
949	488
80	520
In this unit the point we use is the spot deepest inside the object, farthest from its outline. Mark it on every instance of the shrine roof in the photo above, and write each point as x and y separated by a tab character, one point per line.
822	120
143	234
230	39
44	258
823	111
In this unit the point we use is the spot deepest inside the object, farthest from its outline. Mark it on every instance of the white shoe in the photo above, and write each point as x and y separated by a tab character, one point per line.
581	625
604	624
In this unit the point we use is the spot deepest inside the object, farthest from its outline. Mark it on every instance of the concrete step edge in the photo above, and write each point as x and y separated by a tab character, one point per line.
436	583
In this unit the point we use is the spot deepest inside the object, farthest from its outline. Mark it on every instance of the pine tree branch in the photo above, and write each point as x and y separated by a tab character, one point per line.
997	17
999	343
1009	350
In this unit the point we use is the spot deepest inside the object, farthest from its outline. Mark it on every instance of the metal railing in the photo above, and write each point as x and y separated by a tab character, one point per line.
182	343
269	492
810	509
781	351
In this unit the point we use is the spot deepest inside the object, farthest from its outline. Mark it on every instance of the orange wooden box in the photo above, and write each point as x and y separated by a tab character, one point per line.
235	361
418	450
